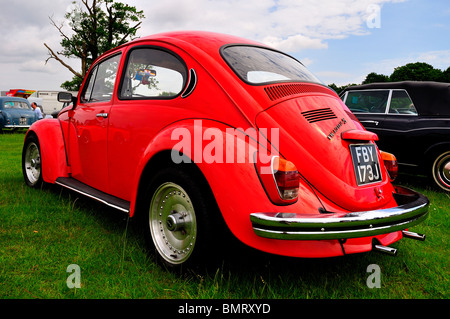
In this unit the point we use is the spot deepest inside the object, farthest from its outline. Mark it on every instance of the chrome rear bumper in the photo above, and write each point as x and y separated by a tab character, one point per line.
412	209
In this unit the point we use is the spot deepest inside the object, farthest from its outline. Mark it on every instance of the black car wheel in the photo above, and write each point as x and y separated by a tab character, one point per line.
441	171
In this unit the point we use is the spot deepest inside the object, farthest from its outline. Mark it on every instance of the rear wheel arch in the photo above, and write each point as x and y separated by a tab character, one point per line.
433	150
162	160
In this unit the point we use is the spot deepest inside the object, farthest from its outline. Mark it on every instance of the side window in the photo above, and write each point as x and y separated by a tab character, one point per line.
23	105
367	101
401	103
8	105
16	105
152	73
100	85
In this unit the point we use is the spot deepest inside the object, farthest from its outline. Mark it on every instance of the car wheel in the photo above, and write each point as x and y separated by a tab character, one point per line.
31	162
441	171
179	220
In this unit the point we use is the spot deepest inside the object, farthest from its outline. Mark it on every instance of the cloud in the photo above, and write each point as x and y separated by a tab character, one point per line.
295	43
289	25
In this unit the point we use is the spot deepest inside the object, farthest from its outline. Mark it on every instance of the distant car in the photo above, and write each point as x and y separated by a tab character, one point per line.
200	135
16	112
412	121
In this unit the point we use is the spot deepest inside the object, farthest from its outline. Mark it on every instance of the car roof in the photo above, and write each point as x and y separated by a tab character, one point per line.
201	39
13	98
204	40
429	98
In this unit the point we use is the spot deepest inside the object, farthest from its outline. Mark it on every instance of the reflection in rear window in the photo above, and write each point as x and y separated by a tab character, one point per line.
256	65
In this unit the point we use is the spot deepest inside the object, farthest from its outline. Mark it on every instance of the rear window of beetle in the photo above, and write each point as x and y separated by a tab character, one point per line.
256	65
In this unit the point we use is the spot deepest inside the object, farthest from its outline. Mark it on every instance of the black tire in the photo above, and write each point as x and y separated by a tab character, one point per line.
440	170
31	162
181	220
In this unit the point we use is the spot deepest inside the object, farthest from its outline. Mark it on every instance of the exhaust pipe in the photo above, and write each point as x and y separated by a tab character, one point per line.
412	235
385	249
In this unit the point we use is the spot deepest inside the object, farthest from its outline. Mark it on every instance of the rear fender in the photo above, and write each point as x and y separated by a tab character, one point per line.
191	141
53	151
235	185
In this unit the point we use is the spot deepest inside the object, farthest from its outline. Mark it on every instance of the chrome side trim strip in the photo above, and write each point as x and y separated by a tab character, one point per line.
16	126
412	211
60	182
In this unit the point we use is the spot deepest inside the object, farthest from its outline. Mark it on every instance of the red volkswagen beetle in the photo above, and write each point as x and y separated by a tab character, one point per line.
195	130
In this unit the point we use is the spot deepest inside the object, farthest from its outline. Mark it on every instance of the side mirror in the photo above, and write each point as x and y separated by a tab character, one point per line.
65	97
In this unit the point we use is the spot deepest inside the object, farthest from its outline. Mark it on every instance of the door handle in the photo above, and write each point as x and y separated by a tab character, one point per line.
104	115
371	122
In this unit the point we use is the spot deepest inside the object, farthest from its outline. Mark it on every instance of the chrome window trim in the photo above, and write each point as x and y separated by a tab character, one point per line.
388	103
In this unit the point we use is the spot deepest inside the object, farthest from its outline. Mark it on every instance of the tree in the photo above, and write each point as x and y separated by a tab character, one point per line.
445	76
418	71
375	77
339	89
96	27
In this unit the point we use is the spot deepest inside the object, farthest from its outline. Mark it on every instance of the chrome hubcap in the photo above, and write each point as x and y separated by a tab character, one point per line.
172	222
33	163
442	171
446	170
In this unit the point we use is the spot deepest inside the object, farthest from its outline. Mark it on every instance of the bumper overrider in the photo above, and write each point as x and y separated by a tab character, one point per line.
412	209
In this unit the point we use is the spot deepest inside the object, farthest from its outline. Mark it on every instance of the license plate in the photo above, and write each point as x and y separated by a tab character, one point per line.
22	121
365	164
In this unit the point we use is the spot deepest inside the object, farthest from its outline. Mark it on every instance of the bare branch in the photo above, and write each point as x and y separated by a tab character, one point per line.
130	31
59	28
56	57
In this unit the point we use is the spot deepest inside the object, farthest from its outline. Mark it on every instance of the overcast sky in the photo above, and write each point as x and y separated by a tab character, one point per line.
341	41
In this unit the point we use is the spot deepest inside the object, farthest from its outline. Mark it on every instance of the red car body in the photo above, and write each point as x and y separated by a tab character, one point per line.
108	149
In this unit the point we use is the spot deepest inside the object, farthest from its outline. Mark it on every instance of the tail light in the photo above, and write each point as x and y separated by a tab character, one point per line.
287	178
390	162
281	180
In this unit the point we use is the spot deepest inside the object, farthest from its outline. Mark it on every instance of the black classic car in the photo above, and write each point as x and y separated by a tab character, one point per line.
412	121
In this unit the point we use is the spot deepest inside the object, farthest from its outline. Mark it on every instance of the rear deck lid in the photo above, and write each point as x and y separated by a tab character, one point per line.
344	168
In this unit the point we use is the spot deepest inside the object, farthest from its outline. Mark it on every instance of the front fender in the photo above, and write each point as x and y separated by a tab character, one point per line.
53	150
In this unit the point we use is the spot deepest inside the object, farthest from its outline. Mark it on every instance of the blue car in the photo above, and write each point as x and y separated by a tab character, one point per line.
16	112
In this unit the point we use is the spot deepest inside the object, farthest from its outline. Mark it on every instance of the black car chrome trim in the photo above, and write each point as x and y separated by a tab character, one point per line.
412	209
15	126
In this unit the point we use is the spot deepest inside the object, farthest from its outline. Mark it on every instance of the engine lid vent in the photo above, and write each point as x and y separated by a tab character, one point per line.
319	115
279	91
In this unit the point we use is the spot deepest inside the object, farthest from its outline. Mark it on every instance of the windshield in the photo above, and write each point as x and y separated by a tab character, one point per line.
257	65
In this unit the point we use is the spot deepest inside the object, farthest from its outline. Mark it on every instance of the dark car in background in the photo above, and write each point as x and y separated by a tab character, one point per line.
15	112
412	121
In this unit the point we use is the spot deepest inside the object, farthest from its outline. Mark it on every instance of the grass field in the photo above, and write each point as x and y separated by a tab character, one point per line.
43	232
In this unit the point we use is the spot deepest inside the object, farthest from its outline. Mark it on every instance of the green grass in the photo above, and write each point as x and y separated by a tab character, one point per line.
44	231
